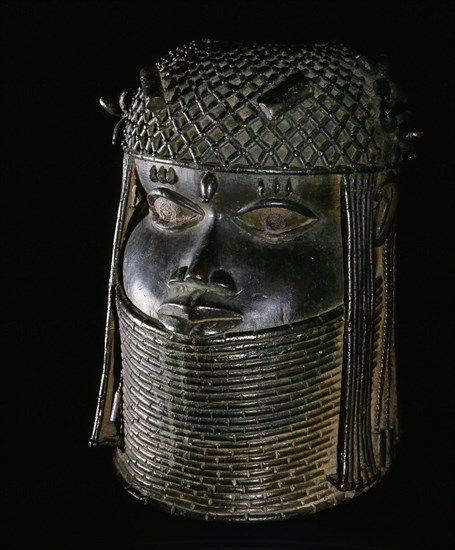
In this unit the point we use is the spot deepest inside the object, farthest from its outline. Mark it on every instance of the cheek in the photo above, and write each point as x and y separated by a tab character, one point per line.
150	258
285	283
320	264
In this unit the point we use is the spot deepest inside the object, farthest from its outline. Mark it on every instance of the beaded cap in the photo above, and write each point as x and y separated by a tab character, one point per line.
268	108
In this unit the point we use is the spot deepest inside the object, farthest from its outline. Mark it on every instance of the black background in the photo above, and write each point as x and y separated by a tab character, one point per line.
61	184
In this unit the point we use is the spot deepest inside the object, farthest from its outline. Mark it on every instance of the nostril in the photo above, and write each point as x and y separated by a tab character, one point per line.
195	274
222	278
179	275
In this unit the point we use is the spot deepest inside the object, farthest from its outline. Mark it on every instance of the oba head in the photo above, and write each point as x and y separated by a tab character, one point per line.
259	194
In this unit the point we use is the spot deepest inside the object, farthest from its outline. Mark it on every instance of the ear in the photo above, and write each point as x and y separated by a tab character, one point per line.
387	200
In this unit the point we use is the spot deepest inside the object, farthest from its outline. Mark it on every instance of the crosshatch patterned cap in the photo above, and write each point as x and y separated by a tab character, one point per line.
268	108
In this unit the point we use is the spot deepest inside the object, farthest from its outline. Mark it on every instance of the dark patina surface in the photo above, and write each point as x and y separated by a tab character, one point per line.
252	282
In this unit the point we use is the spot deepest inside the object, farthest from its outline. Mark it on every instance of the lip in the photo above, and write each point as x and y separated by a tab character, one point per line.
198	319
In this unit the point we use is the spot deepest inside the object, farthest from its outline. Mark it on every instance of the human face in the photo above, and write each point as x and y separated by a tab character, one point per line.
221	251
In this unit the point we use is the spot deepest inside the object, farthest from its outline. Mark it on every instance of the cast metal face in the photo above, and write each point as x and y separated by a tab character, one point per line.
223	251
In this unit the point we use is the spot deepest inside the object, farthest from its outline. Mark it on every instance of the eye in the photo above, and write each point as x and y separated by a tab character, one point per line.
275	221
169	214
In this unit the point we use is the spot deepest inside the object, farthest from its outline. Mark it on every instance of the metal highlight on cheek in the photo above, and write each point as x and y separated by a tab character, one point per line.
209	186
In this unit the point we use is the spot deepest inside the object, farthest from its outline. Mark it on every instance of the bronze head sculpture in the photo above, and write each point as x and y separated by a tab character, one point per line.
252	282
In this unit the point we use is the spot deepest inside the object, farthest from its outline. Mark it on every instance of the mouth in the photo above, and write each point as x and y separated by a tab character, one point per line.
198	319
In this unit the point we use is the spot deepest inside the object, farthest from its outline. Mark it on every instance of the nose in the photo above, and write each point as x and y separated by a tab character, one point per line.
204	266
203	263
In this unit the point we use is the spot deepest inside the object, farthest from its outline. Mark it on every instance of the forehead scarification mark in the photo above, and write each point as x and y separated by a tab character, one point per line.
163	175
171	176
209	185
153	174
276	186
261	187
289	187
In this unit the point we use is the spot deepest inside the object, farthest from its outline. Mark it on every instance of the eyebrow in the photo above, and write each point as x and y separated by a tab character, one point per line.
280	203
175	197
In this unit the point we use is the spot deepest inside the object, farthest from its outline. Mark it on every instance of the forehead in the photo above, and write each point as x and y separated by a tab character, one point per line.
238	187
